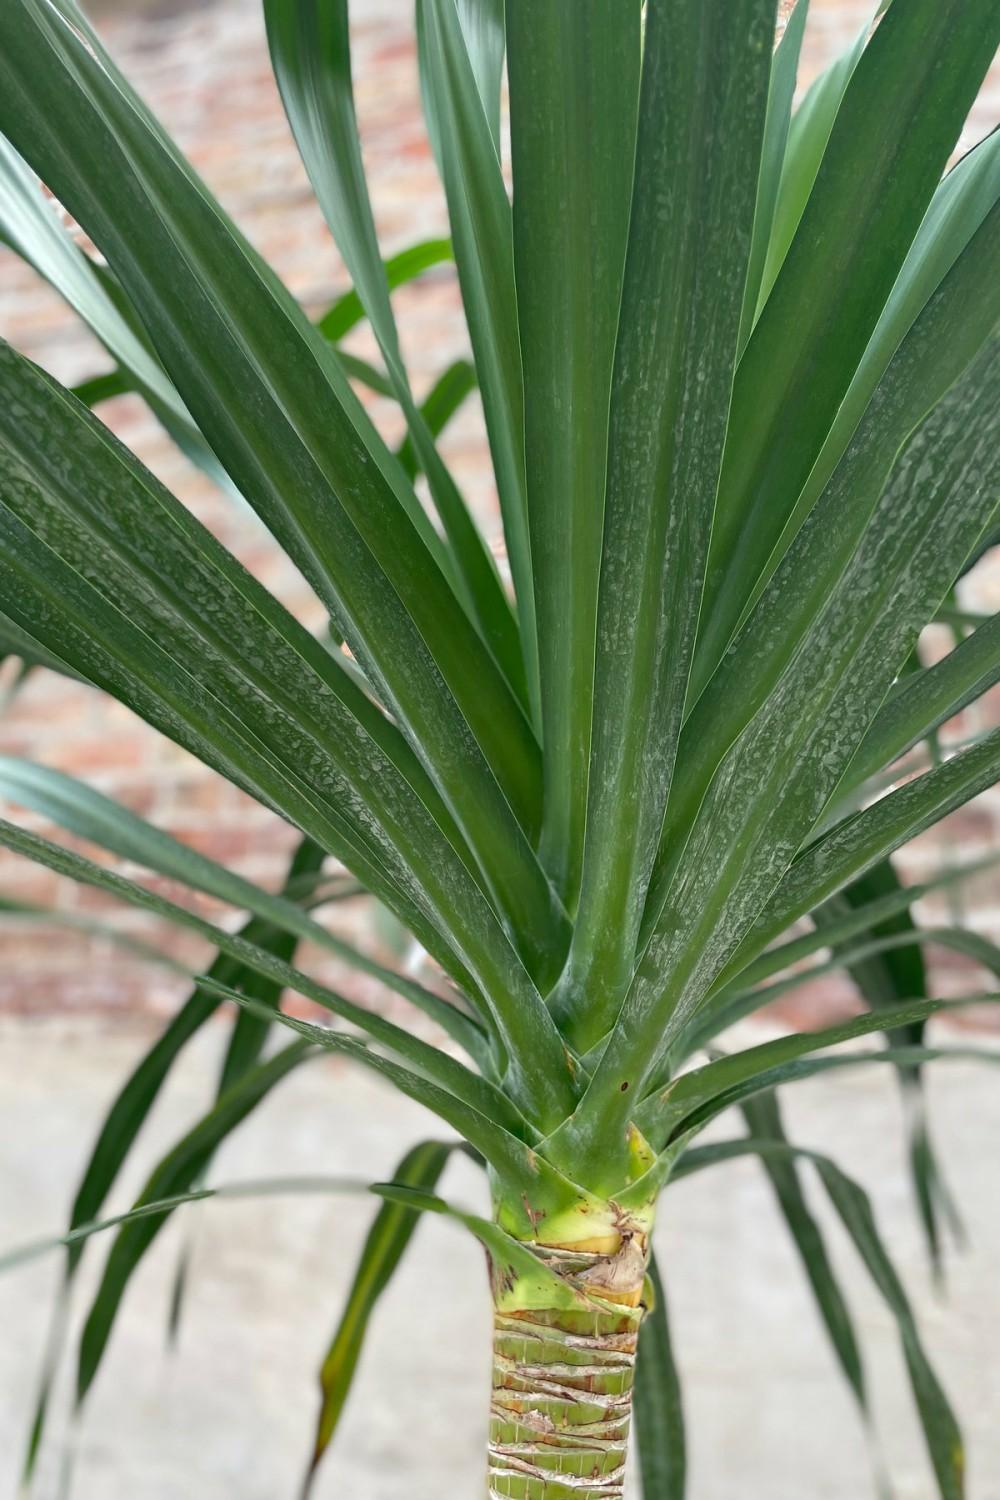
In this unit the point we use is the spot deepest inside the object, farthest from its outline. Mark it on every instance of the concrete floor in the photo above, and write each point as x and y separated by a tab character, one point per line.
231	1413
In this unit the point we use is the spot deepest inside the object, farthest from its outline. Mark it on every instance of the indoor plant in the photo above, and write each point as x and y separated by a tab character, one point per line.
740	382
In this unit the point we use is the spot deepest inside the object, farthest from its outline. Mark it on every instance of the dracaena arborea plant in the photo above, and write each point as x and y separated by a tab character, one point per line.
740	372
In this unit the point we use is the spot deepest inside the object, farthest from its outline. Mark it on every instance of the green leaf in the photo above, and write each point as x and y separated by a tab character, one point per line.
941	1431
809	133
658	1405
858	843
924	700
174	1175
74	1239
508	1257
252	1187
282	721
383	1249
901	114
704	95
365	373
348	310
800	1070
82	811
480	215
139	1092
734	1002
16	642
784	71
702	1093
777	777
764	1122
438	1064
849	925
440	405
539	1189
930	367
31	226
963	203
476	1111
51	916
339	319
310	52
483	27
102	387
895	974
574	89
268	394
250	1032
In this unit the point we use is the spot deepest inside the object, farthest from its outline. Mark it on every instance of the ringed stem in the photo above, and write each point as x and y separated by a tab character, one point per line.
561	1399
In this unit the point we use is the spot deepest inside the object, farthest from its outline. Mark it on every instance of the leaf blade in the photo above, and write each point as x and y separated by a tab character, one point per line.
705	76
574	85
657	1401
310	53
384	1247
900	117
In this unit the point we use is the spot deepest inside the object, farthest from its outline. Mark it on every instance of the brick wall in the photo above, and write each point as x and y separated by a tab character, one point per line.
204	69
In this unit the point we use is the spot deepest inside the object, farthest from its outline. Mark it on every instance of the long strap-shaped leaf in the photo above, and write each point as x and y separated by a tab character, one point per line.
174	1176
809	133
965	199
850	924
901	115
941	1431
94	520
670	1112
893	970
862	634
781	92
280	719
786	639
270	398
485	41
764	1122
659	1412
310	51
704	95
343	315
449	1073
925	700
16	642
133	1102
800	1070
461	125
861	841
945	338
82	811
574	86
383	1249
733	1004
439	406
252	1187
32	227
776	779
513	1158
135	1099
51	916
348	310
